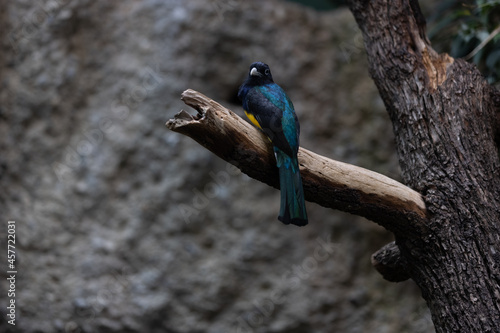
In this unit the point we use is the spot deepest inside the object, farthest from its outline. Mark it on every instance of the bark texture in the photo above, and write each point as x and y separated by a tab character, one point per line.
444	117
389	262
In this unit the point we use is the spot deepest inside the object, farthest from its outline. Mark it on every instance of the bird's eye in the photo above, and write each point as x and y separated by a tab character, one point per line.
266	71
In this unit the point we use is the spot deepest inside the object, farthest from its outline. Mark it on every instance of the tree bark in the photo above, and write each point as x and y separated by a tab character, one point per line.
445	117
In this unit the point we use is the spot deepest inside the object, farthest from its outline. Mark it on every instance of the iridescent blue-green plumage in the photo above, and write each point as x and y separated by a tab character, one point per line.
270	109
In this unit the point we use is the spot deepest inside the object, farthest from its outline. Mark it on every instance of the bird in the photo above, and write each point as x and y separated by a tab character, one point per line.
269	108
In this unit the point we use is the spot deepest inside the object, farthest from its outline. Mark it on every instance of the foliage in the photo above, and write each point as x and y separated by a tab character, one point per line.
459	27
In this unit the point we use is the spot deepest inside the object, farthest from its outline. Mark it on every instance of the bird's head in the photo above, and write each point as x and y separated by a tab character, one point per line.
260	73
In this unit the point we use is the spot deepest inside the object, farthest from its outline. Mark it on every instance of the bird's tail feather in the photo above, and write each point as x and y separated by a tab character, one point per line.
293	208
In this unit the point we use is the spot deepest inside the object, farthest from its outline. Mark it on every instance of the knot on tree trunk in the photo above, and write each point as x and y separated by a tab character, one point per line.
389	262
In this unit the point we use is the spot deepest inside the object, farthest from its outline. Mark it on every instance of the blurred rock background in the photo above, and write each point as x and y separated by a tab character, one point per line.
123	226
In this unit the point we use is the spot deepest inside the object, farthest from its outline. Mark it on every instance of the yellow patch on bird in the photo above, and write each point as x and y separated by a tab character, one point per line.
252	119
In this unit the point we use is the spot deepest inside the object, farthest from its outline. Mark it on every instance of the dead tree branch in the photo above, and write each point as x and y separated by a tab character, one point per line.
329	183
389	262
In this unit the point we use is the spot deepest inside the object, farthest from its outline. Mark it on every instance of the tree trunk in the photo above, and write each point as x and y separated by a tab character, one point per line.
444	116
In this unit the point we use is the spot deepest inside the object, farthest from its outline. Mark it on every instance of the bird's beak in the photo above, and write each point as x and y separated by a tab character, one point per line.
255	72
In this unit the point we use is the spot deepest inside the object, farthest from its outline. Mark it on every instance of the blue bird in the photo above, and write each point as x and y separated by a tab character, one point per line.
270	109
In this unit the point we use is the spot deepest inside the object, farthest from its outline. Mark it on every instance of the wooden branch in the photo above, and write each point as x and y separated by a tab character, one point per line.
327	182
389	262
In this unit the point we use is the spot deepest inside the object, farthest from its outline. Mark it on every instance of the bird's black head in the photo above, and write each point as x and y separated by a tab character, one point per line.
259	74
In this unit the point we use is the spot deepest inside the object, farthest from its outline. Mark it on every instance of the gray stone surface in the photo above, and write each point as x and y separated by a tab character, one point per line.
123	226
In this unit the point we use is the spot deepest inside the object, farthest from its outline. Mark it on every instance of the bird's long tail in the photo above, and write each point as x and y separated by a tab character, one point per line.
293	207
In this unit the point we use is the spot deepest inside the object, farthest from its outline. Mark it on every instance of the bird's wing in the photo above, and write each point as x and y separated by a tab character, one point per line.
269	109
290	123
